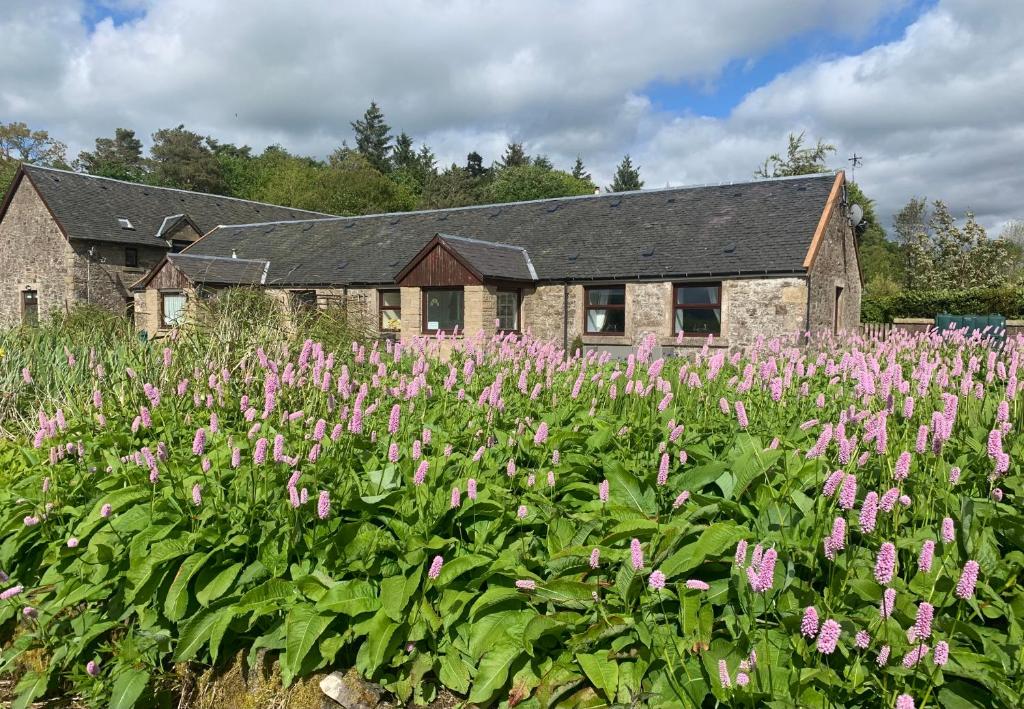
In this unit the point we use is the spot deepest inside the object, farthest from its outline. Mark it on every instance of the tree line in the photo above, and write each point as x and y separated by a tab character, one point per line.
381	172
928	249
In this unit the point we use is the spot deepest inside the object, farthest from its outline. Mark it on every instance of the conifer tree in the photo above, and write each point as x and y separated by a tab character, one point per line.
627	177
373	138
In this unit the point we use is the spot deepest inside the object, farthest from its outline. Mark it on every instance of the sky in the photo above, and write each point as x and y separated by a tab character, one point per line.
928	92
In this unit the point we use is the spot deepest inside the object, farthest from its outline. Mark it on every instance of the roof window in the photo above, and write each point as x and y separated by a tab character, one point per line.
125	223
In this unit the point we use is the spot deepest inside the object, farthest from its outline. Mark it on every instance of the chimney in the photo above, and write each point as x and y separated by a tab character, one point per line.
234	254
597	190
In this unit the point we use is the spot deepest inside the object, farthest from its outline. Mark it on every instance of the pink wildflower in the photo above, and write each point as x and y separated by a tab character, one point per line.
197	495
883	655
663	469
740	558
694	584
902	469
848	493
828	637
435	567
421	473
904	701
869	512
323	504
657	580
723	674
968	580
941	654
595	558
888	603
471	488
927	556
636	554
541	437
602	491
923	622
948	530
456	497
809	623
522	512
862	639
885	564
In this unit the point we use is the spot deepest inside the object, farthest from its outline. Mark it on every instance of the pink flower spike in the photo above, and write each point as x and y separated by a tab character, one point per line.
904	701
885	564
595	558
927	556
809	623
694	584
435	567
828	638
968	580
526	584
636	554
456	497
657	580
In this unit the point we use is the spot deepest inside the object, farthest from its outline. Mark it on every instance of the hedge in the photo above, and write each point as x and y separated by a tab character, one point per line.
1008	302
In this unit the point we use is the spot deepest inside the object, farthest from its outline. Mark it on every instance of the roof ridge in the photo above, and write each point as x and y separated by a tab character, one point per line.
176	189
572	198
233	259
482	242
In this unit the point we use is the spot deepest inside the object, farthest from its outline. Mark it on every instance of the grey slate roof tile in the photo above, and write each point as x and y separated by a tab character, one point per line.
88	207
216	270
758	227
492	260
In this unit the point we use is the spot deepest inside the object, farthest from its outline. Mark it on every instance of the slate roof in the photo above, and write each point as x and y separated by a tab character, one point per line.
88	207
216	270
757	227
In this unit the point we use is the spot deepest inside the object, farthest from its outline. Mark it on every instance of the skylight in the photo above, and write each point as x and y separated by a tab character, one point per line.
125	223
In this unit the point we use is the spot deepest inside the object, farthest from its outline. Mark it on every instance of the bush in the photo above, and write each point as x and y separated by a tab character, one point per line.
1008	302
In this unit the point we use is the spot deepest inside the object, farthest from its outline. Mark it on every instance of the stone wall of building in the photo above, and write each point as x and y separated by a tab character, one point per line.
34	255
102	277
767	307
835	266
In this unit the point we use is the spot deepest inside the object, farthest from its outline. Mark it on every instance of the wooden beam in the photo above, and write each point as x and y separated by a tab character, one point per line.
826	214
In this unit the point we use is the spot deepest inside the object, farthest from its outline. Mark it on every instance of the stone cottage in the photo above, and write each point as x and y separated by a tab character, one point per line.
766	257
68	238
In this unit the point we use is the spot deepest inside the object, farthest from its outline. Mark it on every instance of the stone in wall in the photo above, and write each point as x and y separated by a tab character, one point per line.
765	307
835	265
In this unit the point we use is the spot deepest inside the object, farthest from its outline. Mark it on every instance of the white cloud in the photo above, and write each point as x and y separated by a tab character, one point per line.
936	112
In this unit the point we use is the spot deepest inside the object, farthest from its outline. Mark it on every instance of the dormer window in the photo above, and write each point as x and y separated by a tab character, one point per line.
125	223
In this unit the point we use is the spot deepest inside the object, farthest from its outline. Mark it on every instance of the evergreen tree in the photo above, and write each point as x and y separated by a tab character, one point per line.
627	177
119	157
514	156
183	159
578	171
373	138
426	160
475	165
543	162
403	155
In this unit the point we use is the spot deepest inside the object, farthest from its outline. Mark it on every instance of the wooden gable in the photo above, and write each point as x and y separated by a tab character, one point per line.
437	265
164	276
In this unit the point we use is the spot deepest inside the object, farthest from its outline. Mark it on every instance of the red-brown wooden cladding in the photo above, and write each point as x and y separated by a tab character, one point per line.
439	268
169	278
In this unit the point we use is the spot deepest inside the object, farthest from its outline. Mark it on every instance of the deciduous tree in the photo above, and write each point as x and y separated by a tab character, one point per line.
119	157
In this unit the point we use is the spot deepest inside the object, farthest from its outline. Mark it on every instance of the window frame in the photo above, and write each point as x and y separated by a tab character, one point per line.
381	308
677	306
163	312
424	293
34	307
587	307
518	293
131	257
298	300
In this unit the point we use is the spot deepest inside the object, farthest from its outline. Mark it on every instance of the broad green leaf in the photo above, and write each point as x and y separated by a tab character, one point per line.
29	688
216	584
602	672
376	649
176	603
458	566
197	630
713	542
302	628
128	688
353	597
492	673
455	671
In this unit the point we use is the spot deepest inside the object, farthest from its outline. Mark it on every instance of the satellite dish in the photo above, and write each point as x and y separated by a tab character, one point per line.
856	214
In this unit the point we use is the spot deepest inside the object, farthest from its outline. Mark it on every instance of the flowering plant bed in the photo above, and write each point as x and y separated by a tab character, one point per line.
829	525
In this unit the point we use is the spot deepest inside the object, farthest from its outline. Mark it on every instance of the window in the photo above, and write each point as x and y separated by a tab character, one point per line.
302	299
605	310
172	307
390	304
508	310
443	310
126	224
131	257
838	311
698	309
30	307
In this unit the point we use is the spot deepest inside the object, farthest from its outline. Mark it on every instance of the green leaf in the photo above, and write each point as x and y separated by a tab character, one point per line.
602	672
353	597
29	688
624	489
375	650
272	593
570	594
713	541
176	603
197	630
128	688
211	586
458	566
493	596
302	628
492	673
455	671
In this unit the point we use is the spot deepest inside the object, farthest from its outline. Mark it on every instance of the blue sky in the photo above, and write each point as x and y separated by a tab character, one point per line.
740	76
696	91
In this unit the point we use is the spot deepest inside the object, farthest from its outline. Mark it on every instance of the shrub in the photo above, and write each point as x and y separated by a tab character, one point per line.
1008	302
